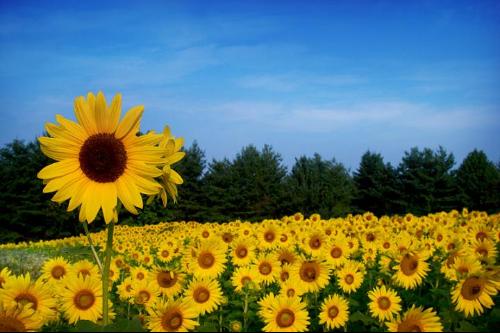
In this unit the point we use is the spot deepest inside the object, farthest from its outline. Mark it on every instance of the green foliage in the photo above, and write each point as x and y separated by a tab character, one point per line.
479	182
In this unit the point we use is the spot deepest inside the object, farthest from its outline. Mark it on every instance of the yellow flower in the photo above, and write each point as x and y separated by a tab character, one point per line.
145	292
473	293
5	274
242	252
206	260
385	303
311	275
286	314
81	299
334	312
416	320
205	295
55	269
267	269
85	268
168	281
171	316
21	291
244	276
100	159
350	277
15	319
411	270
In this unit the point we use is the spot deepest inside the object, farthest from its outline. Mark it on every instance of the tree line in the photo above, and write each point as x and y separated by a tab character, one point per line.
255	185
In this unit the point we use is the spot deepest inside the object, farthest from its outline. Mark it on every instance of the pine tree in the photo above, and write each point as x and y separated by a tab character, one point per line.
479	182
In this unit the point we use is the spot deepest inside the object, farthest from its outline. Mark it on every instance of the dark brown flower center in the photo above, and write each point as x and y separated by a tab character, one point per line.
409	264
384	303
165	253
481	235
84	272
284	276
333	312
140	276
245	280
336	252
349	279
315	242
241	252
265	268
471	288
26	298
227	237
103	158
201	295
269	236
84	299
285	318
171	320
309	271
58	272
206	260
165	279
11	324
143	296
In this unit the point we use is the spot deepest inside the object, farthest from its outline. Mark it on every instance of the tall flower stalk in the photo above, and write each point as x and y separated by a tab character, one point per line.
101	161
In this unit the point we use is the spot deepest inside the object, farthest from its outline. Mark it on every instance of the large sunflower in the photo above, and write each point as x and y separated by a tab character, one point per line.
14	319
81	299
312	275
21	291
169	281
334	312
385	303
416	320
100	159
286	314
411	270
55	269
205	295
473	293
169	316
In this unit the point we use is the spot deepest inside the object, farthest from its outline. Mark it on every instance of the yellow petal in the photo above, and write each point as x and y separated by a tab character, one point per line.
115	112
129	122
145	185
143	169
59	154
125	196
85	115
109	198
92	198
55	184
59	169
101	117
77	198
176	157
175	177
73	129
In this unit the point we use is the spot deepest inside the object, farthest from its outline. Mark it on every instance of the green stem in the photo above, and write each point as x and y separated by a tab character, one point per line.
245	312
105	275
96	257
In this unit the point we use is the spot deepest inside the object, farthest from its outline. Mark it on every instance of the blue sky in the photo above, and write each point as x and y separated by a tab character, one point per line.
333	77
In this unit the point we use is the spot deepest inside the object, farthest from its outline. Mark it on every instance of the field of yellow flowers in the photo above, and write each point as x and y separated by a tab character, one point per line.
393	273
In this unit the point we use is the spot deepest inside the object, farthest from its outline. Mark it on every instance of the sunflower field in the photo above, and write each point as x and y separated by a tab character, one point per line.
359	273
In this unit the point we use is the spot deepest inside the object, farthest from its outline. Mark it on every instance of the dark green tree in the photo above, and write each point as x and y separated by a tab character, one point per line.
479	182
426	183
319	186
376	185
27	213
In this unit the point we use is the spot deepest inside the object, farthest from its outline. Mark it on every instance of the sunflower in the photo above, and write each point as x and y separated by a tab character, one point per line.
286	256
484	250
139	273
171	316
242	252
84	268
315	243
416	320
20	291
81	299
312	275
125	291
337	252
244	276
334	312
145	292
473	293
385	303
350	277
291	289
14	319
268	236
168	281
411	270
100	159
206	260
267	269
55	269
286	314
5	274
205	295
165	253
